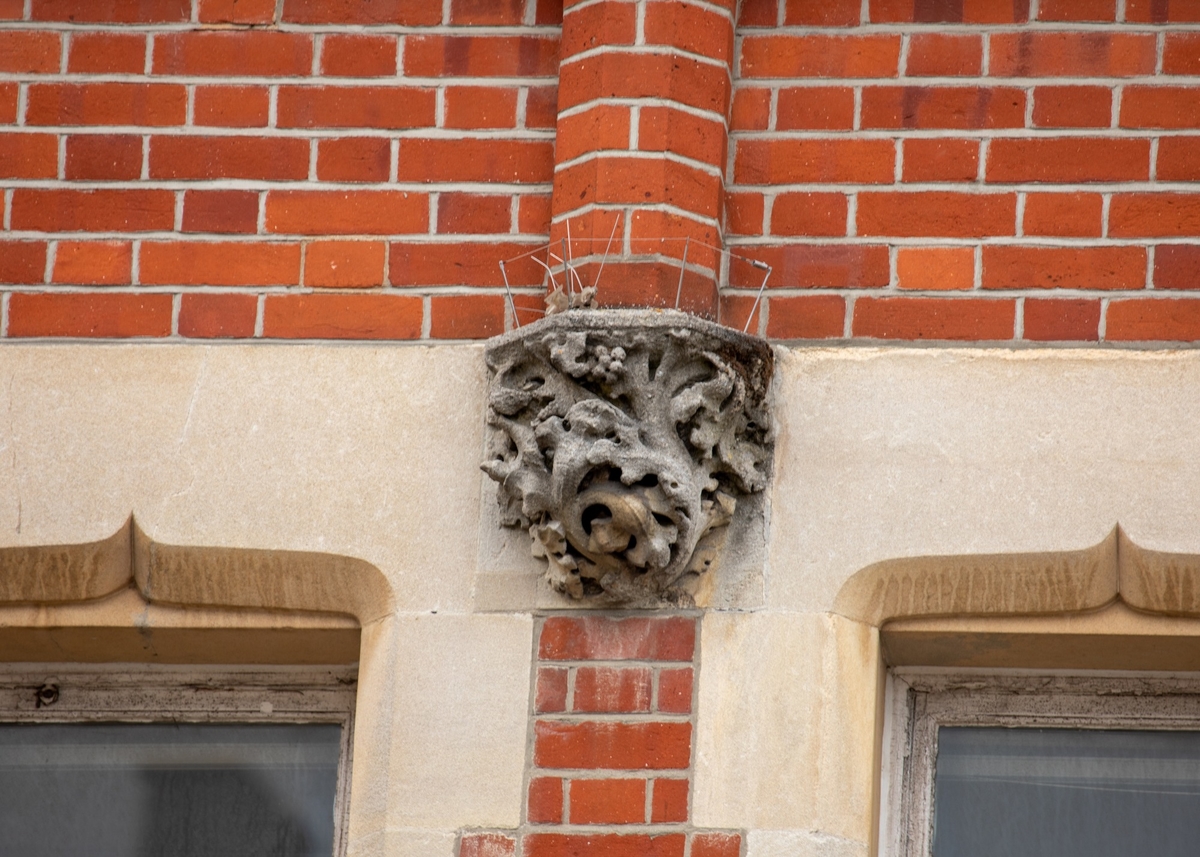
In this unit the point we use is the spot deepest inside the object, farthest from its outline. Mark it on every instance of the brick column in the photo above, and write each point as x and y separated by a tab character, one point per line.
643	102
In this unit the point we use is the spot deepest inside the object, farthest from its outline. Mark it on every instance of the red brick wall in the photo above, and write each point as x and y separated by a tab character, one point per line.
612	730
972	170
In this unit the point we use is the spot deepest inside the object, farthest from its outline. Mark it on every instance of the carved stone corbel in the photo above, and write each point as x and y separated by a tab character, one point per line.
622	440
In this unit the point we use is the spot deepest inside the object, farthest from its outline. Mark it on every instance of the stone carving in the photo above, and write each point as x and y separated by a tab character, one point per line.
622	439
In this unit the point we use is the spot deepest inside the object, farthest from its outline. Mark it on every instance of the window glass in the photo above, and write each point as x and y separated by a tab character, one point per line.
180	789
1025	792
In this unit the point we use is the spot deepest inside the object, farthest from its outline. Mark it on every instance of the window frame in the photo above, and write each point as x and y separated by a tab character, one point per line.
154	693
920	701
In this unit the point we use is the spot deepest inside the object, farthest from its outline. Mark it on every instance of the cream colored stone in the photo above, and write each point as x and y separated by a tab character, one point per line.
801	843
360	450
907	452
459	720
786	729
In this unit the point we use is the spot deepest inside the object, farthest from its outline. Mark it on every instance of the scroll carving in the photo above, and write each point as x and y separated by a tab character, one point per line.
622	440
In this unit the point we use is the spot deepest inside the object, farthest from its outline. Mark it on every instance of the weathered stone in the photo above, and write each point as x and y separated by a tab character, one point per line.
622	439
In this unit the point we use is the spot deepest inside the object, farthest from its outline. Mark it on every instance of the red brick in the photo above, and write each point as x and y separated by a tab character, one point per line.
487	845
836	266
264	158
319	212
344	264
761	13
1177	266
106	315
752	109
935	268
942	107
236	11
354	159
716	845
1071	54
358	56
1151	215
232	106
533	214
405	12
219	263
1148	320
940	160
607	24
605	126
815	107
29	156
809	214
551	693
355	107
261	53
807	161
113	11
602	638
820	56
107	53
541	107
1181	54
741	312
608	801
1072	107
1075	215
480	56
473	213
545	800
1162	11
744	213
936	213
100	157
690	28
476	160
675	691
612	179
1061	320
342	316
1178	159
494	12
663	129
22	261
943	55
460	264
669	801
93	263
548	12
934	318
12	10
1160	107
1077	10
8	103
480	107
466	316
612	689
950	11
828	13
603	845
222	211
1068	159
806	317
1011	267
106	104
613	75
209	316
93	210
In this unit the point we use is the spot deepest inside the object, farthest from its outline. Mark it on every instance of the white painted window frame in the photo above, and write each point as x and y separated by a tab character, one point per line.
919	701
152	693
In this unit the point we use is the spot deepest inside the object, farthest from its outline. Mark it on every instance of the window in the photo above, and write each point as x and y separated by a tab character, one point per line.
1006	765
144	760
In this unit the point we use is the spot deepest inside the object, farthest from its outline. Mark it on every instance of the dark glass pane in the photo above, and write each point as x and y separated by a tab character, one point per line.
167	790
1066	793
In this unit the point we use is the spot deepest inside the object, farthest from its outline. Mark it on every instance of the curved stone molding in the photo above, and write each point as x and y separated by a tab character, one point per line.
983	585
193	576
622	439
1158	582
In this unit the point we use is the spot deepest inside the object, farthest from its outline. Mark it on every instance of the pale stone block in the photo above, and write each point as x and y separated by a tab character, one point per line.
801	843
786	728
459	720
404	842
